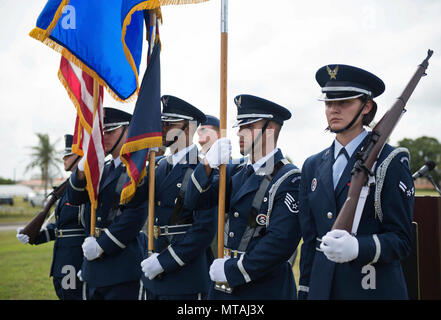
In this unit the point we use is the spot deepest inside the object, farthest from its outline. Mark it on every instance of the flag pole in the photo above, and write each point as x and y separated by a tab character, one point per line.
152	154
96	101
151	214
223	131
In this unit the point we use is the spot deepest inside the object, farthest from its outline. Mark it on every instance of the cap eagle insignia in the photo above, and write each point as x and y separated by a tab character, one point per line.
238	101
332	73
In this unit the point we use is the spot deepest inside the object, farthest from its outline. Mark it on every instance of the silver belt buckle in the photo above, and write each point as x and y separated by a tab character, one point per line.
97	232
223	287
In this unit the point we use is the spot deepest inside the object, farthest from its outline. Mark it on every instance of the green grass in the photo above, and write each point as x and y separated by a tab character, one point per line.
426	192
24	269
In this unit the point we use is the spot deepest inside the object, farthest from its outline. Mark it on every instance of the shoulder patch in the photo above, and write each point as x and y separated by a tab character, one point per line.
407	192
405	161
291	203
297	177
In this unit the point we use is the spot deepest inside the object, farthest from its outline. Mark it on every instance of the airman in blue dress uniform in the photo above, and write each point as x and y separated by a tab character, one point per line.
112	255
68	234
208	133
363	264
262	229
178	269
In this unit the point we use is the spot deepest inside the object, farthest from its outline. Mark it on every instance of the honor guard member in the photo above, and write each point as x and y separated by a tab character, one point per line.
208	133
178	269
112	255
365	264
262	229
68	234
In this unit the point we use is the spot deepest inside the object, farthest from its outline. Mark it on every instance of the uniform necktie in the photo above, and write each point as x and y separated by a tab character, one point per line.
111	167
339	165
248	172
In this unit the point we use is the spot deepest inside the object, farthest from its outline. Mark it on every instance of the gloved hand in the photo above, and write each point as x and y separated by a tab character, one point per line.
219	153
217	271
339	246
79	276
151	266
23	238
81	164
91	248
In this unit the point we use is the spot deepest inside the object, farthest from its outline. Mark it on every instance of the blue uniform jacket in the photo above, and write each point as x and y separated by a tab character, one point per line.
263	272
186	258
120	224
67	250
376	273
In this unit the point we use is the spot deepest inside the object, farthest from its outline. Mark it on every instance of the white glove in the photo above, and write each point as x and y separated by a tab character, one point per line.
219	153
23	238
151	266
339	246
79	276
81	164
91	248
217	271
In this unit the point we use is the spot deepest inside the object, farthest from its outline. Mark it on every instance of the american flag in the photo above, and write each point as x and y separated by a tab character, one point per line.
88	135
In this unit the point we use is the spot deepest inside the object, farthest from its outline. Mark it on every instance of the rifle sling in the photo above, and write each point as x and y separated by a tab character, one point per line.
252	226
179	204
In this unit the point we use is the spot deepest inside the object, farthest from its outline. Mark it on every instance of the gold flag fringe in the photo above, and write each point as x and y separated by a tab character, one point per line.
128	192
55	19
74	100
133	146
89	187
38	34
177	2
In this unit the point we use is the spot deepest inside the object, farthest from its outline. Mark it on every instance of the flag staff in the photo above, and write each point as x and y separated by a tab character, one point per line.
152	154
96	102
223	131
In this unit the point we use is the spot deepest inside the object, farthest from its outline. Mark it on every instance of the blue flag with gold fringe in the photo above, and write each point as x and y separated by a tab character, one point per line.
145	127
102	37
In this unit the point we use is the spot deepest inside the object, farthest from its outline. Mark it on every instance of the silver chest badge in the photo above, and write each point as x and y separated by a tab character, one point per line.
313	184
261	219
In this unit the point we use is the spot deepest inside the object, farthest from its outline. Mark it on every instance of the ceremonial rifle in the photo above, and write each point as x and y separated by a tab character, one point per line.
32	229
367	157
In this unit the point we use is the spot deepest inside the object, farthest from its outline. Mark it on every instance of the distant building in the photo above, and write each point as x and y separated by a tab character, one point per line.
14	190
36	184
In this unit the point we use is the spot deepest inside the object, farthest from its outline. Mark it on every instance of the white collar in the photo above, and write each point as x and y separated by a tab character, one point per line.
180	155
351	146
116	162
259	163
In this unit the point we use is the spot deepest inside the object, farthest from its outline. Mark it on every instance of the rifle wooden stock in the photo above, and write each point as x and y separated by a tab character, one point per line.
370	152
32	229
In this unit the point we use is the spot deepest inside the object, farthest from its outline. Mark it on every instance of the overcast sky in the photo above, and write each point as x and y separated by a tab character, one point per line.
275	48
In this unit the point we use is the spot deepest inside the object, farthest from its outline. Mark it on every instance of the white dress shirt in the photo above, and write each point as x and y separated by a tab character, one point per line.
340	160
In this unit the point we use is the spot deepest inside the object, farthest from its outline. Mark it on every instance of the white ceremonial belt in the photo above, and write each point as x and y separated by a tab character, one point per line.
232	253
170	230
64	233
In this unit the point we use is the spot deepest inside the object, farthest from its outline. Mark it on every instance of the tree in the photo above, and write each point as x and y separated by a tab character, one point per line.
6	181
46	158
421	150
